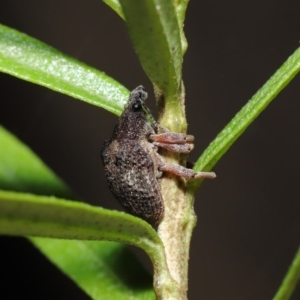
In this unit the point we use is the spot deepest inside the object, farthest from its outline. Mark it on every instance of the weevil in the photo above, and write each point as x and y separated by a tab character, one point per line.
132	164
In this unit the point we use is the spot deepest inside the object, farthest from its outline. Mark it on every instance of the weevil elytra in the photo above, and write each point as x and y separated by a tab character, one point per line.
132	164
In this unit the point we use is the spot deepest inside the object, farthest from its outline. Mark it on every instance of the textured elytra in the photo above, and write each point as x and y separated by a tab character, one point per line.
130	163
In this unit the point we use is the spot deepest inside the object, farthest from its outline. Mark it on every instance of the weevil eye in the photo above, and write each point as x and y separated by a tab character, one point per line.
136	106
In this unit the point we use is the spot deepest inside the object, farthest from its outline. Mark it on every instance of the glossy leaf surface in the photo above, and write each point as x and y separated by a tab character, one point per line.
29	59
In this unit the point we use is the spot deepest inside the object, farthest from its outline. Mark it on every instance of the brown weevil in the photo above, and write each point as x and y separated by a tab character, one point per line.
132	164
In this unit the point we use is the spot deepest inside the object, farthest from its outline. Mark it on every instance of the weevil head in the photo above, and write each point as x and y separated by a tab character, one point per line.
136	100
136	121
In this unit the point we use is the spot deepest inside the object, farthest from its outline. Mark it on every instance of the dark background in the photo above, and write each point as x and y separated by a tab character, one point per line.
249	217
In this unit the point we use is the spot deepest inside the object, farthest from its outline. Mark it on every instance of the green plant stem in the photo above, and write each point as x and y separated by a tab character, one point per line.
290	280
156	33
179	218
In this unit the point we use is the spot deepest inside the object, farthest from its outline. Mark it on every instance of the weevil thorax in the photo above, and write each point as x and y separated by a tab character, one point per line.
135	121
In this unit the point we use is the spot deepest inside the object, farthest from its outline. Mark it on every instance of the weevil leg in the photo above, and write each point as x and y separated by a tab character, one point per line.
178	148
175	142
180	143
184	172
172	138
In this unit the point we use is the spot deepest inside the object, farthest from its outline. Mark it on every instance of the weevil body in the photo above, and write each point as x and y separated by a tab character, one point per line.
133	166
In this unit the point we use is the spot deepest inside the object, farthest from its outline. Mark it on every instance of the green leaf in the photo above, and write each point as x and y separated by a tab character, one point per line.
22	170
29	59
104	270
290	281
248	114
154	31
116	6
181	6
31	215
